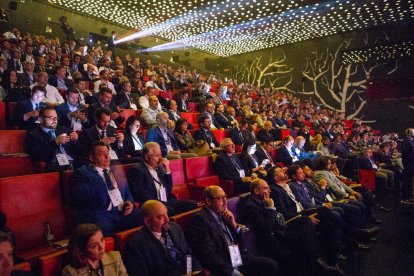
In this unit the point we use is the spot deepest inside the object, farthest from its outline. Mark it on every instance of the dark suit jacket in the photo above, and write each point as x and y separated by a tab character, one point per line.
91	135
123	102
200	134
283	203
365	163
213	119
247	162
53	81
249	136
263	135
22	108
145	255
302	195
236	136
95	106
341	150
129	147
11	65
407	155
42	148
90	195
284	156
281	122
225	168
155	135
24	79
62	111
180	105
171	115
222	120
142	184
208	241
261	155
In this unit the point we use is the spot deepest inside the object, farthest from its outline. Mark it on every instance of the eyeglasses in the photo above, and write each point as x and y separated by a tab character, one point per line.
51	118
221	198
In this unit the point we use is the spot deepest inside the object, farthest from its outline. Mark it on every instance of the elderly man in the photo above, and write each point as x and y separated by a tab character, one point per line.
59	79
214	237
52	96
164	136
27	78
100	194
149	115
125	99
229	167
51	143
160	247
152	180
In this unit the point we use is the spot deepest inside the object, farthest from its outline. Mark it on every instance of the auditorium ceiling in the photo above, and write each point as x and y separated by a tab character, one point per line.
230	27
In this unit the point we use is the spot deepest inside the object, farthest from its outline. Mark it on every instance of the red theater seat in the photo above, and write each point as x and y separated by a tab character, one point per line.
183	219
15	165
219	134
121	238
126	113
189	116
367	178
24	266
178	178
198	167
193	106
3	121
285	132
12	141
30	202
53	263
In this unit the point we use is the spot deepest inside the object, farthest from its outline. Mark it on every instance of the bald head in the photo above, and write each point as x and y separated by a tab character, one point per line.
155	215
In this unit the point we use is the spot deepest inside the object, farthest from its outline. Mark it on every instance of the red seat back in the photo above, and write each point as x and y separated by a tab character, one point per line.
219	134
3	122
367	178
189	116
126	113
12	141
198	167
15	165
177	171
183	218
29	202
122	238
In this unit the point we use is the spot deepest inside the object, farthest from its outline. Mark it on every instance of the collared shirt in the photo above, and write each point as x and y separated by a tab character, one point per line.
156	178
299	206
101	174
137	142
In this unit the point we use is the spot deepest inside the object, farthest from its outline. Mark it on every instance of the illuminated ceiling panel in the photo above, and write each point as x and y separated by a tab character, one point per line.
231	27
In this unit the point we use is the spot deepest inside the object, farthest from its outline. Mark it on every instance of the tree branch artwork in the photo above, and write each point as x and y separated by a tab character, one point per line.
274	74
339	87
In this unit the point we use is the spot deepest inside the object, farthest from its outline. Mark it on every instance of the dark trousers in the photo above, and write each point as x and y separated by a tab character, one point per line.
258	266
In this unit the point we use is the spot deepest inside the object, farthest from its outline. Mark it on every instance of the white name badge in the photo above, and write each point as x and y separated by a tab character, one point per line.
265	162
62	159
113	155
241	173
329	198
163	194
235	256
116	197
189	264
77	126
133	106
112	124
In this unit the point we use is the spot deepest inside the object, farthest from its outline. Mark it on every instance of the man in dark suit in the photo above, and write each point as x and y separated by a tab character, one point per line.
221	118
284	153
209	112
125	99
59	79
383	176
235	133
229	167
407	155
71	113
27	78
15	63
105	101
263	152
214	237
204	133
160	247
26	113
182	101
267	132
104	133
152	180
51	143
100	194
76	65
274	236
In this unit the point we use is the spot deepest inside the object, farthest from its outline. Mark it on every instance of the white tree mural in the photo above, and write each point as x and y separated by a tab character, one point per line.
337	86
274	74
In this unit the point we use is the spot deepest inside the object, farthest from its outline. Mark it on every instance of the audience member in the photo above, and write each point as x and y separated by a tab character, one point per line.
133	141
204	133
26	113
71	114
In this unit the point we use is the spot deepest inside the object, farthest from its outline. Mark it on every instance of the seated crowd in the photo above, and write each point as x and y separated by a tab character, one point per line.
300	197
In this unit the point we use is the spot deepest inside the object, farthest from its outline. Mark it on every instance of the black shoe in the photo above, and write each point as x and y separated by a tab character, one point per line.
325	268
375	220
368	232
384	209
407	202
341	257
362	246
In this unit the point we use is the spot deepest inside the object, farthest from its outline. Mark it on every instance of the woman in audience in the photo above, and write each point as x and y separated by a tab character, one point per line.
250	162
133	141
87	254
186	142
6	257
13	91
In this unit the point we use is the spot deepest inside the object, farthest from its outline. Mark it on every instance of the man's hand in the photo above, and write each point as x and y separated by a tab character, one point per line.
108	140
176	152
229	217
322	183
269	202
246	179
120	137
129	206
327	205
313	219
73	136
62	139
351	197
28	115
165	164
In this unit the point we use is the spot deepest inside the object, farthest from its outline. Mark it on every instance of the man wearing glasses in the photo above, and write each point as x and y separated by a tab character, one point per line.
51	143
214	237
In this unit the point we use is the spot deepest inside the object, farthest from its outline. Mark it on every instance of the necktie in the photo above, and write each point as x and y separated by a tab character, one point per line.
234	161
227	233
52	133
37	106
172	250
17	66
103	133
108	179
